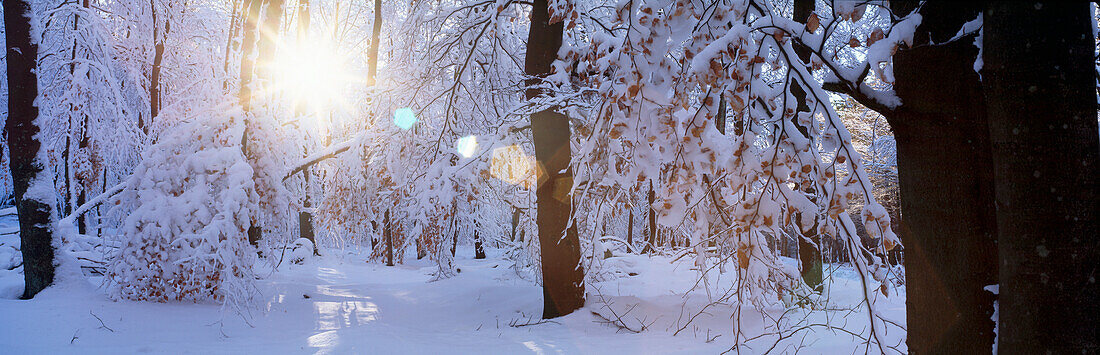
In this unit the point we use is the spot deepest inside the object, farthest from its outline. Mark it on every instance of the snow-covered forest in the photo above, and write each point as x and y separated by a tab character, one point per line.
549	176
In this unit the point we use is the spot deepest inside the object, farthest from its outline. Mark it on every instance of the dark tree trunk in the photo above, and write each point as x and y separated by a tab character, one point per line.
516	213
1041	89
420	251
34	215
305	227
81	220
98	212
945	177
809	257
720	118
372	58
479	250
630	230
154	75
454	242
652	241
562	277
305	217
389	239
809	247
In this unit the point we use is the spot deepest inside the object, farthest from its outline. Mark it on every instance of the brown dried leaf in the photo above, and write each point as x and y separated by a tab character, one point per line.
813	23
737	104
858	12
743	258
875	36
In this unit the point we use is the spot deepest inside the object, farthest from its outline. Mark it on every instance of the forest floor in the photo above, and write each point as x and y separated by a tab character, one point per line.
339	303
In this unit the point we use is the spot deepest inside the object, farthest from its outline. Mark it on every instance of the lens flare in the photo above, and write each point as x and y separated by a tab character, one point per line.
512	165
466	146
404	118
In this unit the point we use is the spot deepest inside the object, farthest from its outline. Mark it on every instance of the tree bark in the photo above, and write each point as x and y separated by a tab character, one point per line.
649	246
248	46
372	58
305	218
233	30
389	239
479	250
35	235
154	75
248	64
562	277
516	213
630	230
81	220
945	177
1041	92
809	247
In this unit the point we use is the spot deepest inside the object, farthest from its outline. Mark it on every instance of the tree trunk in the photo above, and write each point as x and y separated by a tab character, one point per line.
945	177
454	242
248	45
248	64
233	30
562	277
649	246
305	226
389	239
81	220
630	230
372	58
516	213
479	250
81	181
420	251
154	75
273	17
1041	89
35	236
305	217
809	247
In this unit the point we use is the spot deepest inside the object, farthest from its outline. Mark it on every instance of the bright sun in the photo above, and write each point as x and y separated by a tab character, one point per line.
311	74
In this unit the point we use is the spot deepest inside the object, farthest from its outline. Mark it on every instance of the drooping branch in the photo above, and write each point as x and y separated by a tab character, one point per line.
330	152
87	206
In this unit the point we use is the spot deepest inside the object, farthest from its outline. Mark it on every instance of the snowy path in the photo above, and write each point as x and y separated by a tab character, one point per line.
352	307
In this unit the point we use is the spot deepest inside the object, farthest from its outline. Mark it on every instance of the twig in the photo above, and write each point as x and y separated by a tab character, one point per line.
101	324
515	322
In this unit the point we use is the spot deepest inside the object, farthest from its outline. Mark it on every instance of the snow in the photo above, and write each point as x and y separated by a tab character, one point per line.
11	269
996	318
301	251
340	303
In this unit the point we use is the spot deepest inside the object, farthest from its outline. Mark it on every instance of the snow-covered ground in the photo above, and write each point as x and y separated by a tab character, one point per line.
342	304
